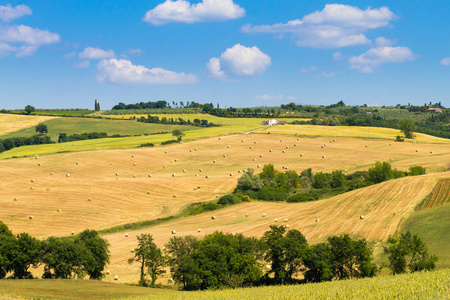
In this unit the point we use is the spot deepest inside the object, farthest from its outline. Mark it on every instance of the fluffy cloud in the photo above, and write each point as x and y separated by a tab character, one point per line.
382	41
6	49
239	61
370	61
123	72
185	12
444	61
96	53
25	40
9	13
335	26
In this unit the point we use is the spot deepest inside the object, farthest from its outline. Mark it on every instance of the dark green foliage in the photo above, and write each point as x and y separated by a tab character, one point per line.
41	128
29	109
63	138
408	253
178	133
150	258
223	261
100	253
142	105
249	181
399	139
351	258
337	179
380	172
227	200
416	170
27	255
8	249
147	145
170	142
10	143
301	197
178	257
321	180
172	121
408	127
318	263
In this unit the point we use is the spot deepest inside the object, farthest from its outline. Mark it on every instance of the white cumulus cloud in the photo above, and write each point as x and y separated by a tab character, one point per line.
6	49
239	61
26	40
9	13
335	26
445	61
382	41
371	60
96	53
123	72
185	12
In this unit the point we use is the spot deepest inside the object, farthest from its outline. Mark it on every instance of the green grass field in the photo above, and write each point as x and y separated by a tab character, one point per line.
429	285
432	226
81	125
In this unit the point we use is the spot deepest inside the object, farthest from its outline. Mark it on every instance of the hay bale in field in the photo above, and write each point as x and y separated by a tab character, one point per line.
276	220
132	155
58	210
196	175
72	233
165	152
199	186
184	171
176	160
417	150
32	188
317	220
250	147
206	176
173	232
323	156
239	171
39	164
246	215
110	163
195	149
15	199
214	161
281	141
270	150
134	164
126	234
284	151
77	163
431	151
259	166
228	147
264	214
220	138
321	146
285	220
334	141
134	176
164	248
254	142
164	166
201	170
108	272
298	139
37	156
67	175
173	174
287	147
117	174
149	175
260	155
361	217
287	225
32	180
254	159
301	155
117	178
245	170
174	196
199	230
242	141
30	217
213	217
390	144
116	277
367	146
224	155
132	250
148	192
190	150
295	145
324	145
90	199
170	280
231	174
51	173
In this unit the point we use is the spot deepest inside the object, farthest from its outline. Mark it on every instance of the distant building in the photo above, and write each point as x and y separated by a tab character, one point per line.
434	110
272	122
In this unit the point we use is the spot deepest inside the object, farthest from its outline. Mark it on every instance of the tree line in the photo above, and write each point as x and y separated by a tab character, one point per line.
281	256
175	121
85	254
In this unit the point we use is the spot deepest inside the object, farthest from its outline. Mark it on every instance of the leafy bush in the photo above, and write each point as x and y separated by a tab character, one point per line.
301	197
169	142
416	170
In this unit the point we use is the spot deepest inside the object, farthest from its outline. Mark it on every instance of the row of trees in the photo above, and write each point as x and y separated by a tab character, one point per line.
142	105
175	121
14	142
280	257
70	257
272	185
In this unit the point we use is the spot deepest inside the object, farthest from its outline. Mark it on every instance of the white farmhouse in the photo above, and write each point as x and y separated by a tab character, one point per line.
269	122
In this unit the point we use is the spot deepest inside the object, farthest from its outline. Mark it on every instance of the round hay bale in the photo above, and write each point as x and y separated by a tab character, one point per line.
281	141
431	151
285	220
295	145
298	139
196	175
367	146
214	161
132	250
51	173
201	170
260	155
323	156
77	163
165	152
108	272
164	166
134	164
206	176
199	230
48	189
228	147
317	220
148	192
58	210
361	217
174	196
15	199
116	277
90	199
259	166
213	217
126	234
164	248
39	164
254	142
254	159
345	170
250	147
287	147
264	214
324	145
30	217
301	155
284	151
224	155
190	150
321	146
110	163
270	150
390	144
132	155
117	174
239	171
276	220
334	141
231	174
184	171
170	280
245	170
220	138
287	226
242	141
417	150
72	233
176	160
37	156
134	176
32	180
149	175
199	187
67	175
246	215
117	178
173	174
32	188
173	232
195	149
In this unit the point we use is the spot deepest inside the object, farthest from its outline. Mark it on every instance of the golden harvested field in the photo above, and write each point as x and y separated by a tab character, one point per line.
11	123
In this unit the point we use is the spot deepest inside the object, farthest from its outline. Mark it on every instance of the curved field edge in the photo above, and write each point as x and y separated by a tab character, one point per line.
432	225
422	285
440	195
11	123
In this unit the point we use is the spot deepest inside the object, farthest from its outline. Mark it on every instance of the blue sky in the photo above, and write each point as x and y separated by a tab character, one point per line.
65	54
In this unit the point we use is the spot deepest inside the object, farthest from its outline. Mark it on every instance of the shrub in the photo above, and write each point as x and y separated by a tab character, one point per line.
169	142
301	197
226	200
416	170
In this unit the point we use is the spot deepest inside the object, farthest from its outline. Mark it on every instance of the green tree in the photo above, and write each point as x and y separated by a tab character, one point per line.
29	109
178	255
41	128
100	252
337	179
408	127
380	172
408	252
27	255
150	257
178	133
318	263
321	180
416	170
8	250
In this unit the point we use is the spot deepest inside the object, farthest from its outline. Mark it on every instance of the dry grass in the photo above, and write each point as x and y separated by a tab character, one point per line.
11	123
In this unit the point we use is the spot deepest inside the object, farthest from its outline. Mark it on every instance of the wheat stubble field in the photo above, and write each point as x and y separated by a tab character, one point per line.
99	189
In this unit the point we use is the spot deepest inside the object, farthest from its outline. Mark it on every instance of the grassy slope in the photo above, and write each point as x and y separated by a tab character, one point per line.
80	125
432	225
12	123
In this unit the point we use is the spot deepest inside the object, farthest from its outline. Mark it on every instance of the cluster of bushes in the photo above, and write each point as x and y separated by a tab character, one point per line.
272	185
70	257
63	137
14	142
176	121
142	105
168	142
146	145
280	257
